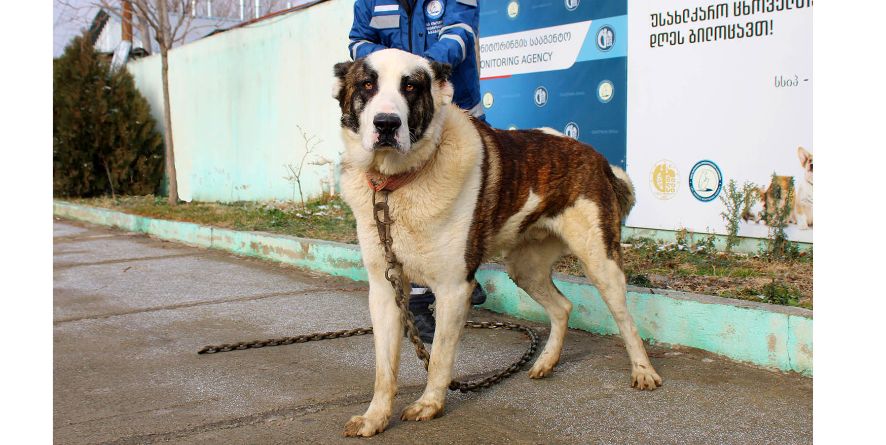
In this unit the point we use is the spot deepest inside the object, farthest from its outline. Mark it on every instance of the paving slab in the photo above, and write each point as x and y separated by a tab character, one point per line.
149	281
126	368
110	248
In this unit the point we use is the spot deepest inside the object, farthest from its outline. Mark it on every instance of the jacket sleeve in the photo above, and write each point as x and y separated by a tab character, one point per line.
458	34
363	38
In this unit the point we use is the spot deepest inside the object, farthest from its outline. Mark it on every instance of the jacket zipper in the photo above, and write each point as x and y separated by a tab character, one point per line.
409	6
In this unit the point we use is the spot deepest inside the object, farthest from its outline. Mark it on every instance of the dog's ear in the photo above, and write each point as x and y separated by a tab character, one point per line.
805	157
340	70
442	71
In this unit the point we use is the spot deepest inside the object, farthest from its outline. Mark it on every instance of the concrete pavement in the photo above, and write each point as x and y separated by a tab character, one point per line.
131	312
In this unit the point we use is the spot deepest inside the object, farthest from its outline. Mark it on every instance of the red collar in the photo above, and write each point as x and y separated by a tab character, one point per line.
379	182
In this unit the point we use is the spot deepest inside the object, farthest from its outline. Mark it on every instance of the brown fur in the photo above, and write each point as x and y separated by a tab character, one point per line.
558	169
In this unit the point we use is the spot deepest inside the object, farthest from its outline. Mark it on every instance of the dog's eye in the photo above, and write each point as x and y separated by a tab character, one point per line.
409	87
810	166
368	85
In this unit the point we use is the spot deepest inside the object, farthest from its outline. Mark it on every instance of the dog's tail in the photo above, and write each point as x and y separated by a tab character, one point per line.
624	191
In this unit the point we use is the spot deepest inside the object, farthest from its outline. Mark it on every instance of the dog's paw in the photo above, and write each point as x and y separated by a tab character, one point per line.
364	426
422	410
645	377
541	369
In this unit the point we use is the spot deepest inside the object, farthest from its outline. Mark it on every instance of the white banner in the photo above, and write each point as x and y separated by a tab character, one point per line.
718	91
533	51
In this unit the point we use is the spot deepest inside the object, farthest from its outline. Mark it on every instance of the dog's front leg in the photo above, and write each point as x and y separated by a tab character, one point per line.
453	303
387	328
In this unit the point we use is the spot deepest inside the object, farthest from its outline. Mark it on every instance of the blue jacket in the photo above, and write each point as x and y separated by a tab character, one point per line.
440	30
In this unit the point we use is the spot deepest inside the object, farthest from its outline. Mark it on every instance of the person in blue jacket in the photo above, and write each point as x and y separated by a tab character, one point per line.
444	31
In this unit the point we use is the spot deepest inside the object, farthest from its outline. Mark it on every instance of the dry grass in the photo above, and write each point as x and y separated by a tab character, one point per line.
647	263
328	219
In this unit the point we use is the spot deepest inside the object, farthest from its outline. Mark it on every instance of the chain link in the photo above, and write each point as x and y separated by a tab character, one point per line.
393	274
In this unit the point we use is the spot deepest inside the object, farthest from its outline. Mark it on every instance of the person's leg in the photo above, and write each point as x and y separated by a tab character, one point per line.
419	304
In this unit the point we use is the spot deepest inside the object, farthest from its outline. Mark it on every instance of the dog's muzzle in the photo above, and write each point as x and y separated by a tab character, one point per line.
387	124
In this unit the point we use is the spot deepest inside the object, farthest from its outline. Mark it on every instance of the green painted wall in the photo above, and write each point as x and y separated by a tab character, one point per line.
238	97
776	337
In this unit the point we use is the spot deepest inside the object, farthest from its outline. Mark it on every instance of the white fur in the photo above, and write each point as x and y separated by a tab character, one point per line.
388	99
551	131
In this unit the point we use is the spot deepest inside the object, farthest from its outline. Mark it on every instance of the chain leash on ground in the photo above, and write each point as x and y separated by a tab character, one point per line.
393	274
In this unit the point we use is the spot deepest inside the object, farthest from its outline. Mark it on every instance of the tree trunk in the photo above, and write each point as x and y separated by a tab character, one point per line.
165	42
110	179
167	122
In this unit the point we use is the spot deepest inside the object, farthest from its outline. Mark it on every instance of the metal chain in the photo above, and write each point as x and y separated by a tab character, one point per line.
393	274
255	344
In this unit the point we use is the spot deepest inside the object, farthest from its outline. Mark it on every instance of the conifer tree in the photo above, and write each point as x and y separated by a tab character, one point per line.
104	138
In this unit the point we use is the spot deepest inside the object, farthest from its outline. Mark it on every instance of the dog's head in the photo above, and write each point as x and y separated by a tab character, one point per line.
389	101
806	163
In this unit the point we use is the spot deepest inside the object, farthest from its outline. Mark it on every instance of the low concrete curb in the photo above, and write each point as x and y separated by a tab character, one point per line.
776	337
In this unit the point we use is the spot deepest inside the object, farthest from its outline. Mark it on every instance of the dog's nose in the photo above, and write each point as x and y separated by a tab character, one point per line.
386	123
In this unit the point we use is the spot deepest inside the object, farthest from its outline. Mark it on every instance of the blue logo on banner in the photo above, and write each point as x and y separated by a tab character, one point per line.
605	38
540	96
571	5
705	181
434	10
571	130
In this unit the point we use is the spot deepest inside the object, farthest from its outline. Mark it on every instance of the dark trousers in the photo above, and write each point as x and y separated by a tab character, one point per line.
420	303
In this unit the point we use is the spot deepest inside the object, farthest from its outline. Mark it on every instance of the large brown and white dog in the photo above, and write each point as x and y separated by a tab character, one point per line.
465	192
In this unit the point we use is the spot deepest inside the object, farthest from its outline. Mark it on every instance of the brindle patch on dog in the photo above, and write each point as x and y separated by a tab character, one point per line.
558	169
352	95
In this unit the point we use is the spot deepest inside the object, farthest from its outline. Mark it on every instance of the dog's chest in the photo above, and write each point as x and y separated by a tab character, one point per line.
804	193
428	241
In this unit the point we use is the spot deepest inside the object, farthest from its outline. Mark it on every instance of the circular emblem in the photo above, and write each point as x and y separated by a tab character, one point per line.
605	38
705	181
488	100
513	9
571	5
434	9
541	96
664	179
605	91
571	130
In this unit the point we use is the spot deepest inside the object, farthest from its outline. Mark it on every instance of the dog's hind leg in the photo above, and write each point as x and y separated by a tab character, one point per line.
529	265
452	306
387	331
580	227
